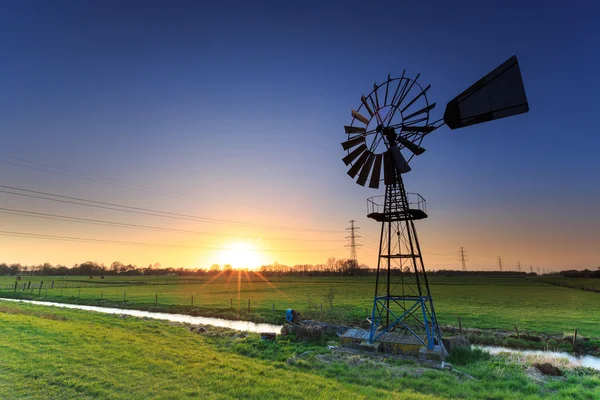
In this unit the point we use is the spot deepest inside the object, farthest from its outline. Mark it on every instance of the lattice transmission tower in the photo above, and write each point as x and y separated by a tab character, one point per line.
463	259
500	263
353	245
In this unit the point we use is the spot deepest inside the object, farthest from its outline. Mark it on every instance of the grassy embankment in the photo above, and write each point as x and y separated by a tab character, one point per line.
58	353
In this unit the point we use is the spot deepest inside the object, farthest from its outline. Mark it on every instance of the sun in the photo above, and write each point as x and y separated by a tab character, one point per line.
241	255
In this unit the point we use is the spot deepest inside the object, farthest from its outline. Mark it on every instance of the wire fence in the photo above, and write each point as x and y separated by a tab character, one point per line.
73	290
73	284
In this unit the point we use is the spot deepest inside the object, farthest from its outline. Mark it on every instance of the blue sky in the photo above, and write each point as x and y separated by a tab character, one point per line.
236	111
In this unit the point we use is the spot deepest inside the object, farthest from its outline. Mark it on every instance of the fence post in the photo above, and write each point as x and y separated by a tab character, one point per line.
460	325
52	285
29	285
574	339
40	288
517	330
231	302
15	286
192	300
156	298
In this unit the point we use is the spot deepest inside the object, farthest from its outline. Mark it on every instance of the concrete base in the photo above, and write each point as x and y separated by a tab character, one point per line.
367	346
438	353
392	343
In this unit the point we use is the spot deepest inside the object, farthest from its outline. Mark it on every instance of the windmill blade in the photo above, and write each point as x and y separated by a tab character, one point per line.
399	160
416	98
363	99
354	129
499	94
359	163
416	149
421	111
388	168
374	183
418	129
353	141
359	117
364	172
354	153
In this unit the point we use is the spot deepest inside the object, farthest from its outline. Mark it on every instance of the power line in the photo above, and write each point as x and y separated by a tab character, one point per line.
144	211
58	217
108	181
106	241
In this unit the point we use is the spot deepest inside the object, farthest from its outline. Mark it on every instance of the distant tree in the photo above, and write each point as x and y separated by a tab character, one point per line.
15	269
329	296
116	267
330	264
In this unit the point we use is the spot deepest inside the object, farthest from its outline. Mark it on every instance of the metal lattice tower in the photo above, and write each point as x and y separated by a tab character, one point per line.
463	259
519	265
353	244
531	268
500	263
403	301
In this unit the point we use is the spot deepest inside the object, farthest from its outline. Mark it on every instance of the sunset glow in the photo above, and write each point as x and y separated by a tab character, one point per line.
241	255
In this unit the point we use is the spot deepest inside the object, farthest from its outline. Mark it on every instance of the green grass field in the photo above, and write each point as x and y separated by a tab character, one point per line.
487	302
580	283
52	353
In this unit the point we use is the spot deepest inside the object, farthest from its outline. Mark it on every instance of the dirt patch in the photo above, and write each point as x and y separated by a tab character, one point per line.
548	369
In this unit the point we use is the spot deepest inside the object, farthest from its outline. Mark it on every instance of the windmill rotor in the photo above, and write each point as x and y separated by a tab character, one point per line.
400	105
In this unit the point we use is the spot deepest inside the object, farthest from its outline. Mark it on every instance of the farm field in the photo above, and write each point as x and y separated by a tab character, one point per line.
72	354
579	283
481	302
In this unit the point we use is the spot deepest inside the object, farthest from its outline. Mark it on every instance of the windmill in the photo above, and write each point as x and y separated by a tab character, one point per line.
385	134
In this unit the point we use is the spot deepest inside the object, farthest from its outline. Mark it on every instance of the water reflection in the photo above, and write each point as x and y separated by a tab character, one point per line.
582	361
223	323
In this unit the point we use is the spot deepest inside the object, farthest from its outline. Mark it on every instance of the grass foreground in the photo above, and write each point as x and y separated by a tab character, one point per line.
48	352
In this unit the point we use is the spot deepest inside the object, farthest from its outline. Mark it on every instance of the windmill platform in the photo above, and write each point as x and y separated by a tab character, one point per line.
395	343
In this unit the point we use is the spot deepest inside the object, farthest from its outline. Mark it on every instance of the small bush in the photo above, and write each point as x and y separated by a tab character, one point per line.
466	355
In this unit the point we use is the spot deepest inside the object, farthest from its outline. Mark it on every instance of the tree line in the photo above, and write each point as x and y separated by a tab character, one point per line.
332	267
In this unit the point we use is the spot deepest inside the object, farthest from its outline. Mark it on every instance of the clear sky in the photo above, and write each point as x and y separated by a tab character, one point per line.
235	112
